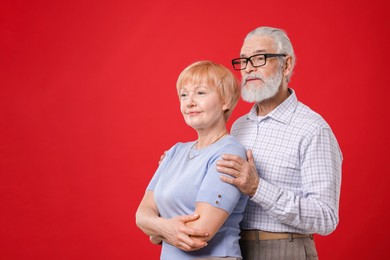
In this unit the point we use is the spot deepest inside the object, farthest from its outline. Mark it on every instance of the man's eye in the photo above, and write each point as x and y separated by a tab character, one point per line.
259	58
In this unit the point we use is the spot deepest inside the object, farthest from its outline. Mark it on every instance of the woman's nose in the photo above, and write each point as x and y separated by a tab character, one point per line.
191	101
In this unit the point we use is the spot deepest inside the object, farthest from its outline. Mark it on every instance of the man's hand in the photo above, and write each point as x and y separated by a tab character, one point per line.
175	232
162	157
157	240
244	172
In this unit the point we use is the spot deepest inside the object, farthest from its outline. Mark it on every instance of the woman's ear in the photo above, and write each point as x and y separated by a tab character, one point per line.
225	107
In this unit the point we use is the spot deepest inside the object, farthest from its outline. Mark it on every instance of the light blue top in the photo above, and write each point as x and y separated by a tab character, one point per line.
180	182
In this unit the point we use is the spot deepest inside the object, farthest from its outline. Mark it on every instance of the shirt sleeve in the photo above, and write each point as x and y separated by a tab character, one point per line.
315	210
216	192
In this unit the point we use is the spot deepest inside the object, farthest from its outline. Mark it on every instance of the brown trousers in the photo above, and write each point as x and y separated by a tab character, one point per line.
284	249
217	258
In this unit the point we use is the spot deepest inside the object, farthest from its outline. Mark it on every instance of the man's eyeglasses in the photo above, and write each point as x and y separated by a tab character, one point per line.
257	60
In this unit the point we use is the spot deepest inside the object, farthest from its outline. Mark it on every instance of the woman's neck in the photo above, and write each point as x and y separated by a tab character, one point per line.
206	139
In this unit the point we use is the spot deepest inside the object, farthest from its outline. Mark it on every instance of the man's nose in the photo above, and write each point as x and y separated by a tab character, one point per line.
249	67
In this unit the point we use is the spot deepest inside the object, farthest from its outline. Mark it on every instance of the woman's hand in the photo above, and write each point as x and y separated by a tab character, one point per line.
175	232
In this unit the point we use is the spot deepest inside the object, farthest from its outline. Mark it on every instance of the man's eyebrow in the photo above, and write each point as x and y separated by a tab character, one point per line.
254	53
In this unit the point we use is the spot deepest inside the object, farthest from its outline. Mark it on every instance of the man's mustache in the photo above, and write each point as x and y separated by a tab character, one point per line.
250	77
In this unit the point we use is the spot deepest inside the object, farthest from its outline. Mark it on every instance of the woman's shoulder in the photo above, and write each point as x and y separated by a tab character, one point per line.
230	140
231	145
179	147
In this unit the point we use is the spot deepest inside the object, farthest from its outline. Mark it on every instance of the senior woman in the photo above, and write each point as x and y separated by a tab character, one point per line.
187	182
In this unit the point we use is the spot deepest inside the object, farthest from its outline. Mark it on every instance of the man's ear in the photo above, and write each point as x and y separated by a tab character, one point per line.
287	66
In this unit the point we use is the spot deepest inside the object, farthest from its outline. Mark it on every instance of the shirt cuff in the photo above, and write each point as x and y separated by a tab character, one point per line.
266	195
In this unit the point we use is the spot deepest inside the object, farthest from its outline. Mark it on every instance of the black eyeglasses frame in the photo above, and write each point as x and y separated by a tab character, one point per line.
266	56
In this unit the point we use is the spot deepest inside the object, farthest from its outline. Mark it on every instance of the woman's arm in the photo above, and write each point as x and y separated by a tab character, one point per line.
173	230
210	219
147	215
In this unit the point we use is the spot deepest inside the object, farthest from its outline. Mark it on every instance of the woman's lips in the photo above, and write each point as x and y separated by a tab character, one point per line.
193	113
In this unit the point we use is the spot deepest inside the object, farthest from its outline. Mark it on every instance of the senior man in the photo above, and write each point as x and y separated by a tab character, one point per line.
293	172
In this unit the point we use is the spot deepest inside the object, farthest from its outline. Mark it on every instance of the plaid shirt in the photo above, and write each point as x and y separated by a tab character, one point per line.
299	163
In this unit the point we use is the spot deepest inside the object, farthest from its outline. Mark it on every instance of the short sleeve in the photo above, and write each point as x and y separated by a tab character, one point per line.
216	192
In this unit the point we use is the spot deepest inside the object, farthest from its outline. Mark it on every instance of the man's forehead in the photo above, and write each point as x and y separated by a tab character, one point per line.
257	44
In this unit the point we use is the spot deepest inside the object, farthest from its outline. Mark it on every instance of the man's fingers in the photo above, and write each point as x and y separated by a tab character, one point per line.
227	179
162	157
227	163
228	170
233	157
249	154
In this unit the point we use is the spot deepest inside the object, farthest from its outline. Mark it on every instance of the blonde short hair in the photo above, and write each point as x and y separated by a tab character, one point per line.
214	75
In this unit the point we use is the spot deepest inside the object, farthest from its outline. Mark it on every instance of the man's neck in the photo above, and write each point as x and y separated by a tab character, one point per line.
266	106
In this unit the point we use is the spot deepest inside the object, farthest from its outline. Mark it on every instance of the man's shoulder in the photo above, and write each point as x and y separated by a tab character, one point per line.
304	115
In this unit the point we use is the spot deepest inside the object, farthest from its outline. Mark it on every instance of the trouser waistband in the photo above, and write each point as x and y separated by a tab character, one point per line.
248	235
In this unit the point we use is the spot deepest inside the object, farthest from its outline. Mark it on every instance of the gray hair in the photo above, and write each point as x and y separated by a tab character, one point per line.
282	43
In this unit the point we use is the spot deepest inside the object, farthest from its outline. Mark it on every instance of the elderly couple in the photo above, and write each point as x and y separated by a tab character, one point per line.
260	192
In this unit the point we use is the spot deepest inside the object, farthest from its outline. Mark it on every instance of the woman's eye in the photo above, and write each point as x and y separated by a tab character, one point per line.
201	93
183	95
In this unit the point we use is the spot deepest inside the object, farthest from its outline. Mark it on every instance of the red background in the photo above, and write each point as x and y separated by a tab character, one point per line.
88	104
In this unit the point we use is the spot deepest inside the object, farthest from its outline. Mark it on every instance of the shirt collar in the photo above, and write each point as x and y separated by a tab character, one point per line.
282	113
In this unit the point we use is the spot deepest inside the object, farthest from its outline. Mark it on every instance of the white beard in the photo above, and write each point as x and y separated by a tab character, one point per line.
253	92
